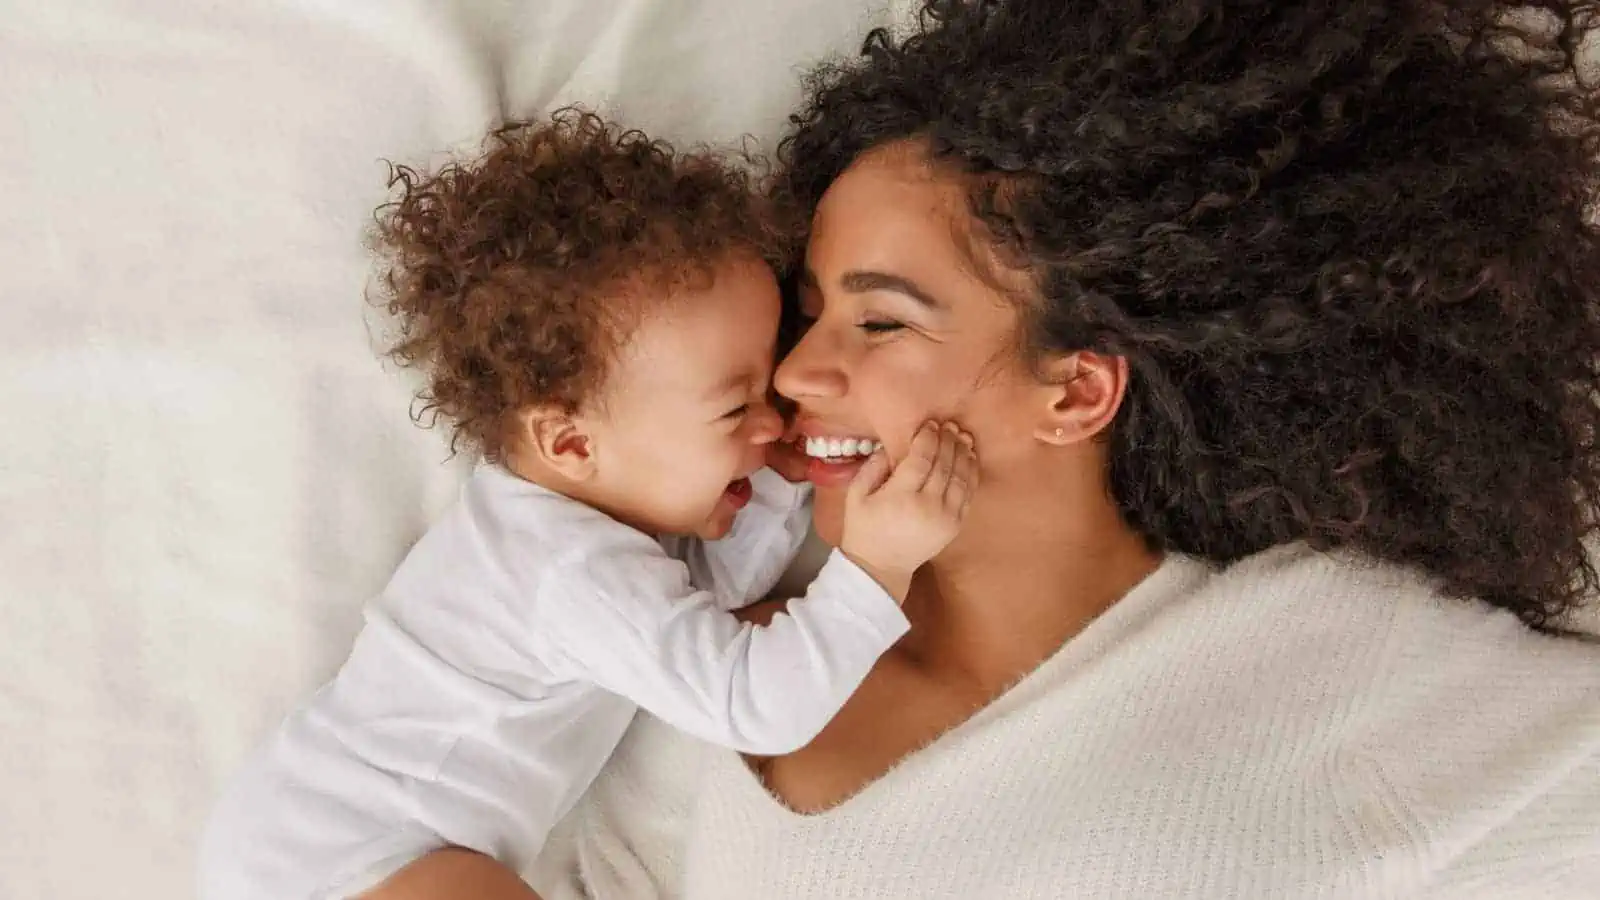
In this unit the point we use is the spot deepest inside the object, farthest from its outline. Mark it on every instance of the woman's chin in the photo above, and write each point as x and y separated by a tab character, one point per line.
827	514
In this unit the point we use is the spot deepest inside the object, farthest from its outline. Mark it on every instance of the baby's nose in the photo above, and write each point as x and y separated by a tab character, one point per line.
766	425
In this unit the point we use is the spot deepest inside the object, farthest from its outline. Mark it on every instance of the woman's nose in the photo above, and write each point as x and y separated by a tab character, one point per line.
811	370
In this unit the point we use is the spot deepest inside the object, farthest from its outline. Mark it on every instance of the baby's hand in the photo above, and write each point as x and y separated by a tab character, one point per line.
895	522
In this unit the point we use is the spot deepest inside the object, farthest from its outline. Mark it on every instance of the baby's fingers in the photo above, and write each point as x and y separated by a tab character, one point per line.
944	464
912	472
870	476
963	477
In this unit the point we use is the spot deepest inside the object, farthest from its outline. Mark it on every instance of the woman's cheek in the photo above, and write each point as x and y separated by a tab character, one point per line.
897	428
894	420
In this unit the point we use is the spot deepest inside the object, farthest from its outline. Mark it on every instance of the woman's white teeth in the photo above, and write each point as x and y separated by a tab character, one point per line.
839	448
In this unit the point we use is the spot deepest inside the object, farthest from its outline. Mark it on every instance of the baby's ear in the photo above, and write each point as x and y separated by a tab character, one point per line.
554	438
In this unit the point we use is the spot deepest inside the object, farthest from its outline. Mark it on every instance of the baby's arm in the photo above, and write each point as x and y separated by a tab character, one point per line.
630	621
634	625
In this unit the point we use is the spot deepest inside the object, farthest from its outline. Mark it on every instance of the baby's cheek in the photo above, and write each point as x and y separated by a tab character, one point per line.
751	456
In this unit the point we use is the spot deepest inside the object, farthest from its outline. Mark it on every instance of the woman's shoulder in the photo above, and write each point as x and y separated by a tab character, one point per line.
1414	640
1465	723
1295	580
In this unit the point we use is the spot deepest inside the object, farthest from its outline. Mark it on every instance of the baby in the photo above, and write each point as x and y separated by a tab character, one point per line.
597	318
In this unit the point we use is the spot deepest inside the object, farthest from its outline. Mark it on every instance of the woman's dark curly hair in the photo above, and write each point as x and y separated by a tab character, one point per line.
1345	246
515	277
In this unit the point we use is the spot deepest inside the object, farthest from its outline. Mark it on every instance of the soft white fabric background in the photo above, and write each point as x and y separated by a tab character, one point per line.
204	471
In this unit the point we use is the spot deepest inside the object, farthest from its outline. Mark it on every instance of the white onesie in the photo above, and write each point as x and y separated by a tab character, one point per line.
501	665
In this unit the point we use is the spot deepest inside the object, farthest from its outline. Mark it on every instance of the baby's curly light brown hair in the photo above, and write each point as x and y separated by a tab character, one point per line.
515	277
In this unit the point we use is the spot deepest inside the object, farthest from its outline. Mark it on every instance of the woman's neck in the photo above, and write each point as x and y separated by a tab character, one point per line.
1018	584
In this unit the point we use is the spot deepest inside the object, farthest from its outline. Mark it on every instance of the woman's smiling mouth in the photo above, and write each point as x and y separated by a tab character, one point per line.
832	460
834	449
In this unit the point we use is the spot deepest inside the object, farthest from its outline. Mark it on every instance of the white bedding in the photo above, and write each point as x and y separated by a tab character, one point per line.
204	472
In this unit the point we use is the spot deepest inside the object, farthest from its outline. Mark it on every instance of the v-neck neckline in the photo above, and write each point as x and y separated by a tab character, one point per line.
1177	577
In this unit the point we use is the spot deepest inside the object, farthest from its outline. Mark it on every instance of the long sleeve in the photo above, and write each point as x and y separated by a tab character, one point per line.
631	622
445	726
495	676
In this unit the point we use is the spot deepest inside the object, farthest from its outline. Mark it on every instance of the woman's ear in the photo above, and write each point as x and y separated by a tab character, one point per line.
556	440
1083	392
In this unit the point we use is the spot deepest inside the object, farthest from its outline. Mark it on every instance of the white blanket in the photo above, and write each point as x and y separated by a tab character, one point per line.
204	471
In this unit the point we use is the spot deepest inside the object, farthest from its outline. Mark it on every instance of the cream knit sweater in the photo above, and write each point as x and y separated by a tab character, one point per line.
1295	726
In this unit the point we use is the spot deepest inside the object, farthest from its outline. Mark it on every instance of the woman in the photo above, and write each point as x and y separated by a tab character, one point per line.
1276	325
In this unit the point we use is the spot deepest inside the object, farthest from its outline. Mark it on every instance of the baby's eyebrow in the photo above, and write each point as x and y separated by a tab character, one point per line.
735	382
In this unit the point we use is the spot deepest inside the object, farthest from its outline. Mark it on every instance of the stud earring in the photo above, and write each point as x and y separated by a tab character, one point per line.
1059	433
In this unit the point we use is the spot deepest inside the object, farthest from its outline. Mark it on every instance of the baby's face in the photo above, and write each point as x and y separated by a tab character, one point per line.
685	416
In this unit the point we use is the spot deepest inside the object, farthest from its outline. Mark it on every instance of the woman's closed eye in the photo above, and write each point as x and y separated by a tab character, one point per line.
880	326
873	325
737	412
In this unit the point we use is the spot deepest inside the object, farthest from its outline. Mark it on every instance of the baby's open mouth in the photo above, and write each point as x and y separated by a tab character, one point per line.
738	492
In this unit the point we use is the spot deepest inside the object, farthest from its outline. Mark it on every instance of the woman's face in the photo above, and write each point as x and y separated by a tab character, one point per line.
903	328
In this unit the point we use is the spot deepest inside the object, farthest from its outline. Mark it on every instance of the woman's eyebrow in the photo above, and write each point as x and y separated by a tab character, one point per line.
863	282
